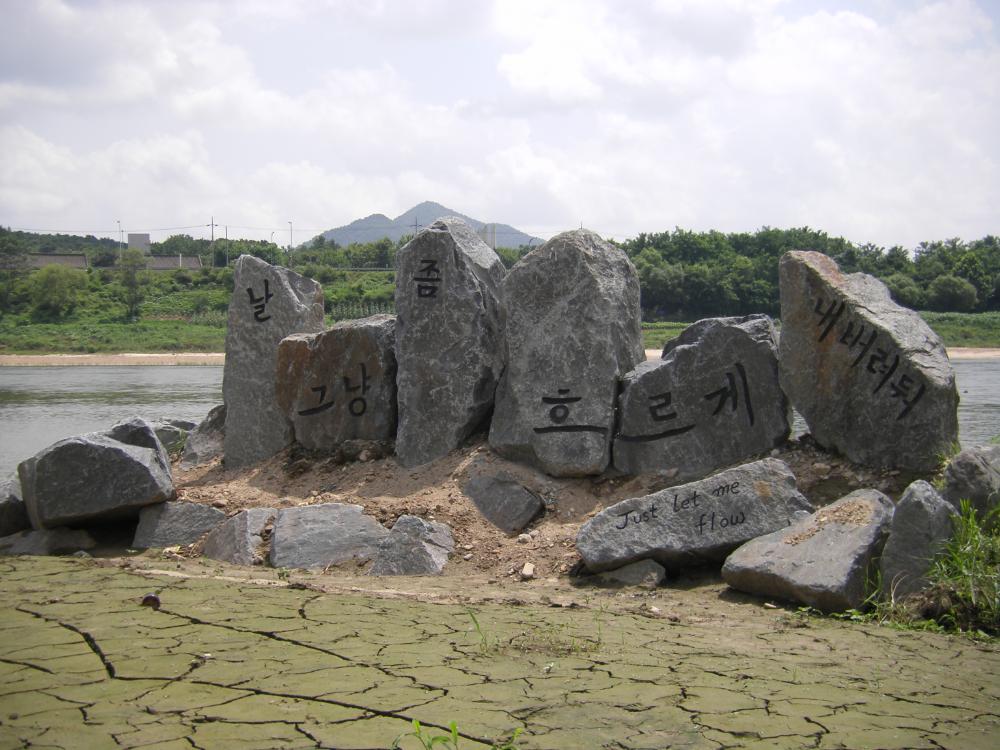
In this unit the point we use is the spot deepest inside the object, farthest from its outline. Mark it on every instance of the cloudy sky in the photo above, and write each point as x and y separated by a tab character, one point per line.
876	120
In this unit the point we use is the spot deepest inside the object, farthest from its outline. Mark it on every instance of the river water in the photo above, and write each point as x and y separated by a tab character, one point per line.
39	405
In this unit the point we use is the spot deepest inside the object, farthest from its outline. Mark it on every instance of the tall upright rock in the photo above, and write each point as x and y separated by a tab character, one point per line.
572	331
268	303
449	331
871	379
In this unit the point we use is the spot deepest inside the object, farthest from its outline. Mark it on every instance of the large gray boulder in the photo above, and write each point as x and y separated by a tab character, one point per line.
713	400
340	384
921	525
13	514
59	541
175	523
694	523
268	304
316	536
449	331
91	477
824	560
504	502
870	378
240	539
974	475
572	331
414	547
206	441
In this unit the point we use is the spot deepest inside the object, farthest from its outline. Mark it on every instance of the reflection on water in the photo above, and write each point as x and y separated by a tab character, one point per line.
39	405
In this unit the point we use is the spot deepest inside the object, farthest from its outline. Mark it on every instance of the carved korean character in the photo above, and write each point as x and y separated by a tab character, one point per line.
358	405
559	413
260	303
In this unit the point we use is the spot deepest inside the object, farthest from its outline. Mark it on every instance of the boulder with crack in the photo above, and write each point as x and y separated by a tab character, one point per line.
340	384
240	540
268	304
414	547
870	377
921	525
713	400
824	560
694	523
572	331
175	523
449	330
316	536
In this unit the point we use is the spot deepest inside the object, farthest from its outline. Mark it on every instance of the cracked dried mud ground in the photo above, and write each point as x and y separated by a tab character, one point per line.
232	661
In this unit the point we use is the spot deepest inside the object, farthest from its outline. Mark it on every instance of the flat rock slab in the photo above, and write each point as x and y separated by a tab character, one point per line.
268	304
974	475
59	541
414	547
175	523
823	560
448	338
693	523
340	384
645	574
713	400
921	526
504	502
93	477
870	377
239	540
572	331
315	536
13	514
206	440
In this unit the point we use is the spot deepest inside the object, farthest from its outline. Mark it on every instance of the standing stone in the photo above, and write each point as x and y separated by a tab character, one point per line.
206	441
921	525
694	523
824	560
974	475
448	338
870	377
712	400
315	536
176	523
340	384
240	540
572	331
269	303
504	502
414	547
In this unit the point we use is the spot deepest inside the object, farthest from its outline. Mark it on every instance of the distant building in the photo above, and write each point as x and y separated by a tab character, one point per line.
173	262
70	260
139	242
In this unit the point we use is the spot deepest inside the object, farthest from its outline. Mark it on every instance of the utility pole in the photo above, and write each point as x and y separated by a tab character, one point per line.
121	249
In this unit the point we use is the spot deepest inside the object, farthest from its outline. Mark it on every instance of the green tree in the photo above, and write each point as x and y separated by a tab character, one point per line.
906	291
13	265
971	268
133	280
55	291
950	293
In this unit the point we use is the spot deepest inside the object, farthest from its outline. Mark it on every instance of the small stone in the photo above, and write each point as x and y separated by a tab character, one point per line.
523	538
528	572
534	533
821	467
220	502
467	556
467	547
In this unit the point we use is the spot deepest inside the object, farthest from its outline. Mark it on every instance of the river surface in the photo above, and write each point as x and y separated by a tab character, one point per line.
40	405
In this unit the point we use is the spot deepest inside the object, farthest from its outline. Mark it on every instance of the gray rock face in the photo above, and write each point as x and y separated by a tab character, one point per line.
921	525
173	432
871	379
693	523
448	339
46	542
13	515
206	441
414	547
315	536
90	477
268	304
139	432
340	384
823	560
504	502
645	573
572	331
239	540
974	475
169	524
712	401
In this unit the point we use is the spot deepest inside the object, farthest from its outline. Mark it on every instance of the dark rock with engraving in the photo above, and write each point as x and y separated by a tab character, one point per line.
824	560
974	475
694	523
448	339
60	541
315	536
268	304
644	573
141	433
713	400
13	515
921	525
340	384
572	332
414	547
870	377
504	501
206	441
175	523
93	477
240	539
